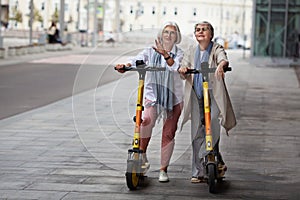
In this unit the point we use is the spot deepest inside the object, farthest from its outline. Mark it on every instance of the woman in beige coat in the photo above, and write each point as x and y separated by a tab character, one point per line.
221	109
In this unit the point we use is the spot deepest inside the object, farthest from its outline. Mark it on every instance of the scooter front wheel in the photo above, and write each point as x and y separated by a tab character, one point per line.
132	176
211	177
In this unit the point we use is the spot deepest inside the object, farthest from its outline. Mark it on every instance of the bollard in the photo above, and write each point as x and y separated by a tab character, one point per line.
226	44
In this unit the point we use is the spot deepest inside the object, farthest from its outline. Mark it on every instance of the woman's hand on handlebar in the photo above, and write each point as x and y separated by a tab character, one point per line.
183	70
219	73
120	67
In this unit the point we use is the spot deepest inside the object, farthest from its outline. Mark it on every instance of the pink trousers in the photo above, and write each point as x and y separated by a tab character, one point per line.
168	133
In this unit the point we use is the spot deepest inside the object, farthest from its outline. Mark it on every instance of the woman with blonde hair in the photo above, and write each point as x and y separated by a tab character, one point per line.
163	92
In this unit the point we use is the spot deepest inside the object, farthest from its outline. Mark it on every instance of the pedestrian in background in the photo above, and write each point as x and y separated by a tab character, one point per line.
53	34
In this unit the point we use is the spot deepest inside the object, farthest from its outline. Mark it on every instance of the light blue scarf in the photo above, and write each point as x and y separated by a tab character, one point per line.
198	79
163	85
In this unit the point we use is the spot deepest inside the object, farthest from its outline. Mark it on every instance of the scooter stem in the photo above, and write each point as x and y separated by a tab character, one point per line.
209	144
139	110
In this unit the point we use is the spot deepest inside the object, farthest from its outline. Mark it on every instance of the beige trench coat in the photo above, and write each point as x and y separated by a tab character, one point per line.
220	93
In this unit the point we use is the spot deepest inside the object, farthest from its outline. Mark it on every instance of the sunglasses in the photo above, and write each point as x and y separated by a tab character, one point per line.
201	29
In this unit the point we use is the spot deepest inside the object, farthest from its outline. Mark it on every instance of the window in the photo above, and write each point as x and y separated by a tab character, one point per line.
131	9
66	7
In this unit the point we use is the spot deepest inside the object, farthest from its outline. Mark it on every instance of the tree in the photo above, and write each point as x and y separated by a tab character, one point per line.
37	16
55	16
17	15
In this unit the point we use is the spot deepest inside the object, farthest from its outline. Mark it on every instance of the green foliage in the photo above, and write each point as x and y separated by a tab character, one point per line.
17	15
55	16
37	16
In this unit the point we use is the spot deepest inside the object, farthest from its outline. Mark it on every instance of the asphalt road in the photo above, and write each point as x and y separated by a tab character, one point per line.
28	85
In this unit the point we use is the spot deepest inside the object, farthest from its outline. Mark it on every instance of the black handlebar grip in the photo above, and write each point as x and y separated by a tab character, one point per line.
227	69
139	62
192	71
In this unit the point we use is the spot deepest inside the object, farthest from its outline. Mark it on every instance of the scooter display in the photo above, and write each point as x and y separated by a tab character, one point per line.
135	171
214	168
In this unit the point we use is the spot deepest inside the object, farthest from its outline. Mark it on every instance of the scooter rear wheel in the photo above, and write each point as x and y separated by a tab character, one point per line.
211	178
132	177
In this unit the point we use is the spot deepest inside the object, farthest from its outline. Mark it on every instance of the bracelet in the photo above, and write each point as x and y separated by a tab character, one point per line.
167	58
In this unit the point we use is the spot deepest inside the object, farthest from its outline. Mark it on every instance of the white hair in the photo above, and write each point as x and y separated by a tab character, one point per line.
174	24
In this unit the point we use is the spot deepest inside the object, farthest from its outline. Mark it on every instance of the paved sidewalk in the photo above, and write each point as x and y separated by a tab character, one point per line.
77	148
8	60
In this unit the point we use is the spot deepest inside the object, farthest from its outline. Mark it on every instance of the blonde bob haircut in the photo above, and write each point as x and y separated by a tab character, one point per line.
169	23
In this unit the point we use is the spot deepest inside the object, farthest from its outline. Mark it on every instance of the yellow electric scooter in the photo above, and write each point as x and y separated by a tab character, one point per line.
135	171
213	165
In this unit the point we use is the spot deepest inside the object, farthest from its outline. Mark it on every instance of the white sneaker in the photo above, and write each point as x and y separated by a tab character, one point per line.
145	164
163	176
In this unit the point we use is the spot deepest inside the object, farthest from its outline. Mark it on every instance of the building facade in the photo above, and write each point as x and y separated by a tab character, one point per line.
227	17
276	31
45	11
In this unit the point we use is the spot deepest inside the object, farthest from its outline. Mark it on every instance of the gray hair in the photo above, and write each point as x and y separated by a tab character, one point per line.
210	27
169	23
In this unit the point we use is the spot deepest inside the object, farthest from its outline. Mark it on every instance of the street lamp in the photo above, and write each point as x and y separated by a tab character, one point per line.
62	19
78	15
30	21
95	32
1	40
244	37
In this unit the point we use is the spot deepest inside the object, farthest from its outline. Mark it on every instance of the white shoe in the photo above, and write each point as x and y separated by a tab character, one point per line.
163	176
145	164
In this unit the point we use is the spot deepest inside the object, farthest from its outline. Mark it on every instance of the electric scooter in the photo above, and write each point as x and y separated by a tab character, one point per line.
135	171
214	170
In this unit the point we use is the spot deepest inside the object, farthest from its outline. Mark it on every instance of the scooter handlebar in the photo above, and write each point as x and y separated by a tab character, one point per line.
139	68
197	71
